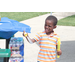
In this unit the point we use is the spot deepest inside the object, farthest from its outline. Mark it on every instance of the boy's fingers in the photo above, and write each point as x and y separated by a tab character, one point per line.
59	52
23	31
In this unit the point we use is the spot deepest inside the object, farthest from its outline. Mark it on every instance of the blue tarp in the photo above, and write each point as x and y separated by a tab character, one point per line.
9	27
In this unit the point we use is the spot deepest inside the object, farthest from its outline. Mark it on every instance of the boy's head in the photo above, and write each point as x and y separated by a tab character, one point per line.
52	18
50	24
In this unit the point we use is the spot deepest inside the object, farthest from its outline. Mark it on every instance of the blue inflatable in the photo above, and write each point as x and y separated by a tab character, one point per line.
9	27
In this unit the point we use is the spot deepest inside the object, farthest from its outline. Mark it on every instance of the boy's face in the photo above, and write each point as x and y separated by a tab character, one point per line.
49	26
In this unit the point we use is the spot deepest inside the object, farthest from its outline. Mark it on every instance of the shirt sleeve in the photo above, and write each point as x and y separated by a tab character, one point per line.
37	37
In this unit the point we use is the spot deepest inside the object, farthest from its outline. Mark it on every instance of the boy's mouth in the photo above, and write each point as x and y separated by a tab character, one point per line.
46	30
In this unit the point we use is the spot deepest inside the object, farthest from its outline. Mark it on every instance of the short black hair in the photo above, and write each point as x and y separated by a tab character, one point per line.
53	18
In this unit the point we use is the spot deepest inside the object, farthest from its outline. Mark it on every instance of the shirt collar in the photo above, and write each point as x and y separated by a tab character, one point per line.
51	34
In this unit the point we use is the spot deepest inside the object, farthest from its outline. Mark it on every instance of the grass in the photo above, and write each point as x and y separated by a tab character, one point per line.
19	16
68	21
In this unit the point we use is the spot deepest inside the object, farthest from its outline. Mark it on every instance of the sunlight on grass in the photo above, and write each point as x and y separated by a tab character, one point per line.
68	21
19	16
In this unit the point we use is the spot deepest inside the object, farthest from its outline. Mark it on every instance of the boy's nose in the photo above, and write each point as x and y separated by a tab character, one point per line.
46	26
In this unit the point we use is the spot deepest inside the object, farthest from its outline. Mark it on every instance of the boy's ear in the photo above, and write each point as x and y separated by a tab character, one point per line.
55	27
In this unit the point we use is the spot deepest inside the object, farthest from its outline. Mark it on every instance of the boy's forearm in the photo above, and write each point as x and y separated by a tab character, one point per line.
29	40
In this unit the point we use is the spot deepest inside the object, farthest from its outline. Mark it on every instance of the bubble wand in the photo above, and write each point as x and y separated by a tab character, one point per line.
58	47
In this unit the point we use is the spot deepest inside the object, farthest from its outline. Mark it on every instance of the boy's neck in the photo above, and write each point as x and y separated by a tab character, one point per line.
50	33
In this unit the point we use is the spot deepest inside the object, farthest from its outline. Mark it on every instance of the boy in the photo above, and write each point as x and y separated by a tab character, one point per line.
47	41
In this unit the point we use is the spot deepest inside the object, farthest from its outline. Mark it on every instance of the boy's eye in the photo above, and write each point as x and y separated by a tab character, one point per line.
45	25
49	26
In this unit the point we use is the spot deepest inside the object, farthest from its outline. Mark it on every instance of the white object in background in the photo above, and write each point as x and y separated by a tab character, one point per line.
51	13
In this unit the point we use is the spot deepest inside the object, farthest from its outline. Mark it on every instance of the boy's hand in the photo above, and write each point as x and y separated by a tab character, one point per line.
59	52
25	35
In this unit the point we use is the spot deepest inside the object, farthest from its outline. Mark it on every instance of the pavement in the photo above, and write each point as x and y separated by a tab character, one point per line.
66	34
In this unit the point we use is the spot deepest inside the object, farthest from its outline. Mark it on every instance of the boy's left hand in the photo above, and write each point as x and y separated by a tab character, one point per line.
59	52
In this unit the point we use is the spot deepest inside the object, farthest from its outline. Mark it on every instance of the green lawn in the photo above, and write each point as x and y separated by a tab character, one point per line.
19	16
68	21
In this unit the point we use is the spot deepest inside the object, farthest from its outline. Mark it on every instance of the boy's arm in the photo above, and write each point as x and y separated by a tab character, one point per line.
28	38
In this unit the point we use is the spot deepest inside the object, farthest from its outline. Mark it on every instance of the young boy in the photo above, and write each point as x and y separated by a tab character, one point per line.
48	40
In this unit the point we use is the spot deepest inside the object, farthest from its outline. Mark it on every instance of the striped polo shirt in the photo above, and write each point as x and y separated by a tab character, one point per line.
47	45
